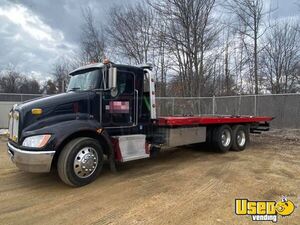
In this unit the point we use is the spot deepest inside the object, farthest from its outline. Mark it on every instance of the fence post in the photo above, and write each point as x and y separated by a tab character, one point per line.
213	105
239	109
21	98
199	108
255	106
173	106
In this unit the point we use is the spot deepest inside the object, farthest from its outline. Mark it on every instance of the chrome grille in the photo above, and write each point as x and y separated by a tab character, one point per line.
10	125
13	128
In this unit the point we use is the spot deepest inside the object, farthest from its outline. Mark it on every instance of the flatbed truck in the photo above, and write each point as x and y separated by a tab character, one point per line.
109	112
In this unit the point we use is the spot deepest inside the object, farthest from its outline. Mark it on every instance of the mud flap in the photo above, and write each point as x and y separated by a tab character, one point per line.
112	163
111	154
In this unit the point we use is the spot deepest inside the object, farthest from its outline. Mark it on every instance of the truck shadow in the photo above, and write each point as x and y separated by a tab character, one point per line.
169	158
165	160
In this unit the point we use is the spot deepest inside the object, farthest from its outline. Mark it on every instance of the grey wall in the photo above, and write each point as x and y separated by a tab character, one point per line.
4	110
285	109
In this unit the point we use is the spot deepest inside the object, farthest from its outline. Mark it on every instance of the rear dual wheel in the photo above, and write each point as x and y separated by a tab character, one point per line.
240	137
226	137
222	138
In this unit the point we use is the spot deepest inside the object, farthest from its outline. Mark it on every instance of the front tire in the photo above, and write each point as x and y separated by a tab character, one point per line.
80	161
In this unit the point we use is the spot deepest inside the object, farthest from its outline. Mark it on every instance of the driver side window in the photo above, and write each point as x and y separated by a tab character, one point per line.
125	85
119	103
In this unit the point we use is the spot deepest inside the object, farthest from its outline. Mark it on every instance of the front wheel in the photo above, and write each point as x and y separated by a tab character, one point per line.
80	162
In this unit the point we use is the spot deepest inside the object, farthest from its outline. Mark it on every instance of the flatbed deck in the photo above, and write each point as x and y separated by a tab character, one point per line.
209	120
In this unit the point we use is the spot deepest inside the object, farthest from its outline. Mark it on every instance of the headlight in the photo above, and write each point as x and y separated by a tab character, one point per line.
37	141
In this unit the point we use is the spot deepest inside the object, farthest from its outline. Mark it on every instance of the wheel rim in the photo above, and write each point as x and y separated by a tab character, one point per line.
85	162
226	138
241	138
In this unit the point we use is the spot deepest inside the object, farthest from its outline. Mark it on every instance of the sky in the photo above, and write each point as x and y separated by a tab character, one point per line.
34	34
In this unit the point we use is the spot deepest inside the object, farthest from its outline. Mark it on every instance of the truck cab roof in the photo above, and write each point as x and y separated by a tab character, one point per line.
119	66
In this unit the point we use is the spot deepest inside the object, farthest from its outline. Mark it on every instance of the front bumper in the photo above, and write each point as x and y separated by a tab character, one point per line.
31	161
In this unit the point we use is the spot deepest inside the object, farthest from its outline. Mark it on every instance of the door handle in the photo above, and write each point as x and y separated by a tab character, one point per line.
136	97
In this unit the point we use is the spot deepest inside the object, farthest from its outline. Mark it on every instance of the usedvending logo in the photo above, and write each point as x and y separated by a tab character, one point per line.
264	210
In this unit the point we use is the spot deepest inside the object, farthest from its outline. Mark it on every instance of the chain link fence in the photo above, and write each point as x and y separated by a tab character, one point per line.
12	97
284	107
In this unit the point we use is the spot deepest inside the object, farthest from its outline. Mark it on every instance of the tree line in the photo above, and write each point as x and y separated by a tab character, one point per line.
13	81
197	47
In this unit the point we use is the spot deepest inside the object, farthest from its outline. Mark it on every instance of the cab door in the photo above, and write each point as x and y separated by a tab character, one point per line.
119	106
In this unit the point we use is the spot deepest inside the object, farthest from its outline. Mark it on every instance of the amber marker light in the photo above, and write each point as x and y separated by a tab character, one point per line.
44	140
36	111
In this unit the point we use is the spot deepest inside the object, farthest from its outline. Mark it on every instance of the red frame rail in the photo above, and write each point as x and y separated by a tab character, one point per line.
199	120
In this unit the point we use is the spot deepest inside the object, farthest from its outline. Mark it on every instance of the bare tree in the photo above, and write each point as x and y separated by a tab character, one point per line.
49	87
92	42
250	15
281	57
137	35
189	35
240	54
130	29
60	71
228	77
10	81
161	53
13	81
29	86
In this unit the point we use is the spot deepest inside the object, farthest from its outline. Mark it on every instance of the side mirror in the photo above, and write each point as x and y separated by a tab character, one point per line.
112	78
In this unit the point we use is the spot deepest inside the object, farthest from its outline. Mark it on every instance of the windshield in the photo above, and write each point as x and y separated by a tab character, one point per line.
85	80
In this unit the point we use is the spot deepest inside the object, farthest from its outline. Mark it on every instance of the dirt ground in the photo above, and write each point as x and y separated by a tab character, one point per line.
188	185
